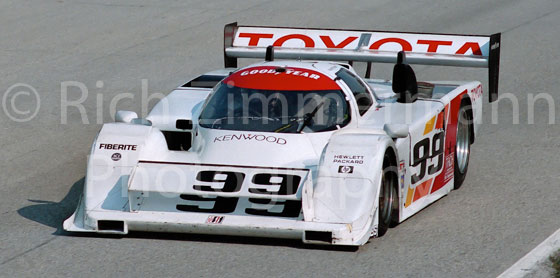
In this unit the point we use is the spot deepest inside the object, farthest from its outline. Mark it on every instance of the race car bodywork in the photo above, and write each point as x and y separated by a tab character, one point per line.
347	157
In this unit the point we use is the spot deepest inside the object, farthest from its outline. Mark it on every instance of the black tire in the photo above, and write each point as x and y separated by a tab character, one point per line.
462	147
388	198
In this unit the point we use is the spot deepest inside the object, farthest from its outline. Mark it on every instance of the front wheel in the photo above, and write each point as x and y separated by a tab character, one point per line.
462	147
388	198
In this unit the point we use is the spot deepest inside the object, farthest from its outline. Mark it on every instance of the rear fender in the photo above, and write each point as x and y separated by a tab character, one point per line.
474	100
470	95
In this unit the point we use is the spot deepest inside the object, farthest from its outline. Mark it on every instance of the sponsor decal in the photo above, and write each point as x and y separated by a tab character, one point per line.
288	71
402	170
476	92
449	171
319	39
348	159
118	147
116	157
281	79
251	137
346	169
214	219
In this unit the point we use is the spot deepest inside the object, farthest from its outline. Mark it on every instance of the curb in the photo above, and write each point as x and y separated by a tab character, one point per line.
530	262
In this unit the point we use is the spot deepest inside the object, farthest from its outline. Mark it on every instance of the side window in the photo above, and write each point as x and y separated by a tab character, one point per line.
361	94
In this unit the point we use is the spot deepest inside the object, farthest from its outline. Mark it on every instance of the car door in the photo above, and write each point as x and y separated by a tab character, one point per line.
427	145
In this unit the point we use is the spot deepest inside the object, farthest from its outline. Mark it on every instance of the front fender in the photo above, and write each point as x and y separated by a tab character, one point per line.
114	154
349	174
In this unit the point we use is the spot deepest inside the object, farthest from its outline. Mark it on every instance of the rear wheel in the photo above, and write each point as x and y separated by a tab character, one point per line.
388	198
462	147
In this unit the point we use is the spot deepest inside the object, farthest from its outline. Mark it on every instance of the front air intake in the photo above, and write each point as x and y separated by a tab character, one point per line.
110	226
318	236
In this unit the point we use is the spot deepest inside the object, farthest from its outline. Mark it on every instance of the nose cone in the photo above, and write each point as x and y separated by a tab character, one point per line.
265	149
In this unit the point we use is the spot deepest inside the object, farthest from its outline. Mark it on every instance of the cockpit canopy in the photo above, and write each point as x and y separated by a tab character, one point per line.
272	99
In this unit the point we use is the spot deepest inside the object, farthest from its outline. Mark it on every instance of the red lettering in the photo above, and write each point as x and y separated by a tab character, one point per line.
329	43
255	37
307	40
433	45
404	44
470	45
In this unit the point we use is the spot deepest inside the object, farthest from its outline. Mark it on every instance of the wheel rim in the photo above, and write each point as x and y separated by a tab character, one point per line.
463	141
385	199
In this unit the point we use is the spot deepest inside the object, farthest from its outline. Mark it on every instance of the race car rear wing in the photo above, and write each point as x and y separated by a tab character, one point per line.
365	46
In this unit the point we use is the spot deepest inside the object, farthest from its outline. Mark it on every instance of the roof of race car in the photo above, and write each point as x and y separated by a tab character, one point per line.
286	76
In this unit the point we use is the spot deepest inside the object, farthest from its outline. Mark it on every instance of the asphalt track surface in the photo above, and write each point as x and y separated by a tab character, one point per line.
507	205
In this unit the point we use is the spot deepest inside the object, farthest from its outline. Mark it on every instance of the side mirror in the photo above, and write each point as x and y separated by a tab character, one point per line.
125	116
141	121
396	130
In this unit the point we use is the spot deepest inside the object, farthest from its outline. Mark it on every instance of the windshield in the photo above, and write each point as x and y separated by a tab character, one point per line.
235	108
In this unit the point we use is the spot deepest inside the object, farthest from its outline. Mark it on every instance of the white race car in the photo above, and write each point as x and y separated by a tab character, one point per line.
295	146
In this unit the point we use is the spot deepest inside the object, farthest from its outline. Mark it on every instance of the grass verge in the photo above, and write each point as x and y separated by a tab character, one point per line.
555	260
